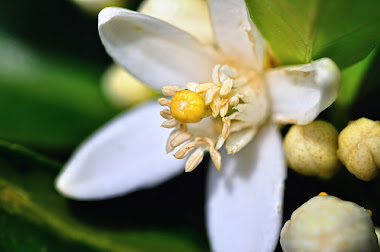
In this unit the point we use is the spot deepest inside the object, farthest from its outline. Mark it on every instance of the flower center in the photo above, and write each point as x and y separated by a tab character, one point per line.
205	115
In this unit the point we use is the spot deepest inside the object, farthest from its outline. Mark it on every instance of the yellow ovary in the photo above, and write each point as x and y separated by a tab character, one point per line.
187	106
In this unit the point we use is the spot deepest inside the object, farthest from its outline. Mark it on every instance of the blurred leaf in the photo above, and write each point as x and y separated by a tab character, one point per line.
34	217
47	101
300	31
352	78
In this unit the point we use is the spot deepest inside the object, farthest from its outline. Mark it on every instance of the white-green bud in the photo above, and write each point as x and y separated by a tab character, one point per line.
359	148
122	89
327	223
377	231
94	6
311	149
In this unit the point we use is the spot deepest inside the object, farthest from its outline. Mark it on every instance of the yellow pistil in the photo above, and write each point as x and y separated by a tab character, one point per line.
322	194
187	106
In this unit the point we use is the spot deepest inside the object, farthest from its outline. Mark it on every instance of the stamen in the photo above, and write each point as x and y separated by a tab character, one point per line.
169	90
194	103
226	127
192	86
226	87
173	134
166	114
223	107
215	106
180	139
225	133
215	75
185	150
216	158
194	160
322	193
210	94
164	102
234	100
171	123
203	88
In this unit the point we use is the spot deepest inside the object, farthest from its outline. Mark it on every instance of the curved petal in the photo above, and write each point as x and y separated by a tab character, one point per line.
300	93
244	200
154	51
122	157
236	34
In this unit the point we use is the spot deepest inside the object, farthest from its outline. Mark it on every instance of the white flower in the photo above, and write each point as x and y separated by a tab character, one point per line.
244	200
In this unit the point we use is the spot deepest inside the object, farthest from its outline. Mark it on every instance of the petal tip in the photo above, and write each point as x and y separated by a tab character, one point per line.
108	13
63	186
330	73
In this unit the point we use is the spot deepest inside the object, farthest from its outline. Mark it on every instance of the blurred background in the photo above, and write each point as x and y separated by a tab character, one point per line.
52	96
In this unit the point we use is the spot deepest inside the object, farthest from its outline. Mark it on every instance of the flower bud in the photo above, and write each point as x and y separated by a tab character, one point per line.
123	90
94	6
327	223
359	148
311	149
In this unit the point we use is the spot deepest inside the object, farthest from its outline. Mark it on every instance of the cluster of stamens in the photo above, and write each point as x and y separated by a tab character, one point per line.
195	103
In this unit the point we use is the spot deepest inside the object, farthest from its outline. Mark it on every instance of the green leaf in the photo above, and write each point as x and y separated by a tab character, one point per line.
301	31
34	217
47	101
352	78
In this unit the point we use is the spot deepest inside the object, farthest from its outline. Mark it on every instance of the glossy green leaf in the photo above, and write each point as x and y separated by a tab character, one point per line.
352	78
34	217
300	31
47	101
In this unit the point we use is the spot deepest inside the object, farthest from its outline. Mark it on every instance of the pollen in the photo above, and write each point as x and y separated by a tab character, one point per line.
187	106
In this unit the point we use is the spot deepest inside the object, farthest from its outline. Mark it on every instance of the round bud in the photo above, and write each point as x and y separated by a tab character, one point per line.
327	223
359	148
94	6
311	149
122	89
377	231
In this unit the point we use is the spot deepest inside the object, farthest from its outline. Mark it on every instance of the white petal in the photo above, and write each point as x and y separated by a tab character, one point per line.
244	200
126	155
191	16
237	140
236	34
152	50
300	93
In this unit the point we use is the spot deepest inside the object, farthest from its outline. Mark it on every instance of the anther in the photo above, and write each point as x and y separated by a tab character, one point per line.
226	87
194	160
169	90
166	114
223	107
173	134
210	94
180	139
164	102
171	123
215	75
